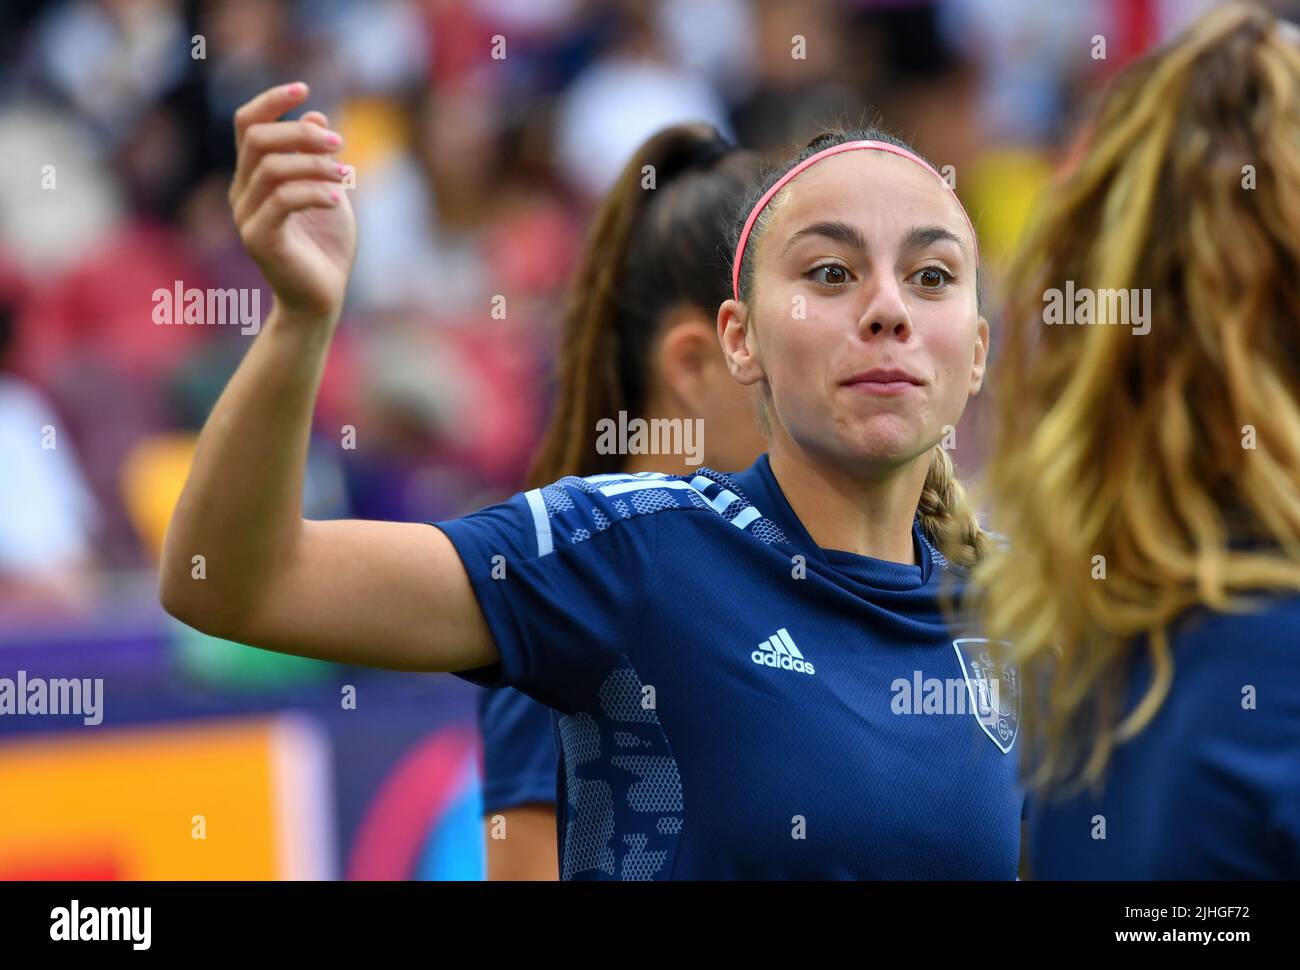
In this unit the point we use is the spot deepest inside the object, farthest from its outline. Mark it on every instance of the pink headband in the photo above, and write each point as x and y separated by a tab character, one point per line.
848	146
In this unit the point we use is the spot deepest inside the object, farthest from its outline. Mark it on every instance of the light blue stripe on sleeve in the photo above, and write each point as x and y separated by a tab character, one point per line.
541	521
624	476
620	488
721	501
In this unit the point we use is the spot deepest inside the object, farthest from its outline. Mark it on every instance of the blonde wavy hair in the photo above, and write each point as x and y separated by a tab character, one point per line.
1173	454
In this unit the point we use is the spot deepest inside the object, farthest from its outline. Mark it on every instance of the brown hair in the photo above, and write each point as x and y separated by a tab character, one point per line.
657	243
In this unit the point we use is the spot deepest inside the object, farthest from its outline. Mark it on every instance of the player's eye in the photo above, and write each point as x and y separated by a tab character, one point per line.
932	278
830	274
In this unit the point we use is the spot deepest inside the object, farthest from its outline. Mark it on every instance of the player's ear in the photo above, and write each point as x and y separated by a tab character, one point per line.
687	356
981	357
734	326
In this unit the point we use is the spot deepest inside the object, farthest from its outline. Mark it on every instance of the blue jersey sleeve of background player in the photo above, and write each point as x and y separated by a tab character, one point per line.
518	750
562	574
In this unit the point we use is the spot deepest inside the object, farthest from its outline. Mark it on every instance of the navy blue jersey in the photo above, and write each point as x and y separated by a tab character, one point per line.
730	694
1211	788
518	750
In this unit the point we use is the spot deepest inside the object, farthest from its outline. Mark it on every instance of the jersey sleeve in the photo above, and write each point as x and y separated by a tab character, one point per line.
561	574
519	756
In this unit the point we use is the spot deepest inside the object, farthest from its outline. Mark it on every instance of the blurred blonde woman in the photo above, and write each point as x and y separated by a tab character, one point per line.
1147	475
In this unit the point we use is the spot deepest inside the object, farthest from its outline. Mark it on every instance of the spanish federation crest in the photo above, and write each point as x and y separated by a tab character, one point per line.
994	691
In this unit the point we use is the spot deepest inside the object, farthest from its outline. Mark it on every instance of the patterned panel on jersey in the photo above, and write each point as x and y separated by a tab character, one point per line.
574	509
590	824
623	791
937	559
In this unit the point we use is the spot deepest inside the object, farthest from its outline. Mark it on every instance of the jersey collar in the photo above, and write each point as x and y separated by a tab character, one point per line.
766	495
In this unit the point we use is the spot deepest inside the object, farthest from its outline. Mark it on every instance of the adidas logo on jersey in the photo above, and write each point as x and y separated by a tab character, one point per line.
779	650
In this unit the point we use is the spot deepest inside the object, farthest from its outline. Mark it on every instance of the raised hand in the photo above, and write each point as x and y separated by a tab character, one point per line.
290	206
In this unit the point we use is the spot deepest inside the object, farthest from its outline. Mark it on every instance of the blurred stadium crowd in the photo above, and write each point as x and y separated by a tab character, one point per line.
482	132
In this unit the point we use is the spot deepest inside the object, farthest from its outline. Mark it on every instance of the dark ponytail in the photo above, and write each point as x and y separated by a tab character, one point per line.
650	249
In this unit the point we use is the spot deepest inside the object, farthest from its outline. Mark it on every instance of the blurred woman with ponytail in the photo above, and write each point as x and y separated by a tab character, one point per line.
1147	473
638	339
752	673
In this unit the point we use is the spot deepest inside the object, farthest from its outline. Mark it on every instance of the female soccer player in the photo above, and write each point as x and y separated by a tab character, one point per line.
638	338
733	657
1147	474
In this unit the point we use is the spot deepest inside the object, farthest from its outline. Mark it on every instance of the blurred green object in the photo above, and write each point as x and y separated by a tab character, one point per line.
224	663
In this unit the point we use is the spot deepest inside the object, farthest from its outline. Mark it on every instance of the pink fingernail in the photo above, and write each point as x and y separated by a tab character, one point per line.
343	170
332	140
295	90
334	195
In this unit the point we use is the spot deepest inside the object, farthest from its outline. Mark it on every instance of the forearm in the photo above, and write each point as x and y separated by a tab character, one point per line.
241	508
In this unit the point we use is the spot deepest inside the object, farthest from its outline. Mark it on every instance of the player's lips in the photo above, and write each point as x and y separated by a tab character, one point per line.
885	381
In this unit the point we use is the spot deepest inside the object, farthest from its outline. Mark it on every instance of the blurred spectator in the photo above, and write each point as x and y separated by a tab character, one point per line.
47	529
113	59
806	78
629	93
66	201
